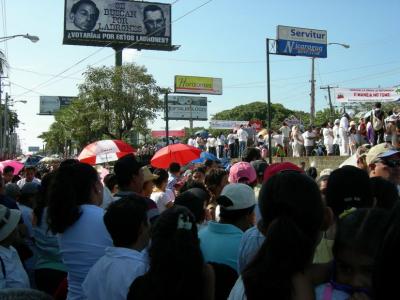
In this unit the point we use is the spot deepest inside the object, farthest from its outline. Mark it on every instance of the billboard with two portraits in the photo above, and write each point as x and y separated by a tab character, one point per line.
118	23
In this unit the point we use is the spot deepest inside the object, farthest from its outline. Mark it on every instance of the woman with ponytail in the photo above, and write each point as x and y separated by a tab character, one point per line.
74	213
177	269
292	213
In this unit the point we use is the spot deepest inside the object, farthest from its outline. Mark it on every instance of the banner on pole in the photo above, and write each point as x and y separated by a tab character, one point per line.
348	95
227	124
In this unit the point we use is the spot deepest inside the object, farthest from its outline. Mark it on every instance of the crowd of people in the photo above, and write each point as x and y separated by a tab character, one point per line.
252	231
341	137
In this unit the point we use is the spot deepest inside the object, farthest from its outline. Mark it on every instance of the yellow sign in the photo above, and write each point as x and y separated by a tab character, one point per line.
198	85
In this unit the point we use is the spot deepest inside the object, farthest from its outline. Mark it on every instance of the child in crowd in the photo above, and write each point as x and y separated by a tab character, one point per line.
177	269
160	195
12	273
110	278
356	245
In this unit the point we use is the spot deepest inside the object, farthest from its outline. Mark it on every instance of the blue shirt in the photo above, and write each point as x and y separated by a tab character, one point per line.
220	243
250	243
112	275
81	245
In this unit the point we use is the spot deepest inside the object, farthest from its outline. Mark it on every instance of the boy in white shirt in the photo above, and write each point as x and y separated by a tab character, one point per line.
12	272
110	278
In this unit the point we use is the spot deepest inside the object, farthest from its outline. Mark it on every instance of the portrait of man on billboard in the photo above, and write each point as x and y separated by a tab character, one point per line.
154	20
84	15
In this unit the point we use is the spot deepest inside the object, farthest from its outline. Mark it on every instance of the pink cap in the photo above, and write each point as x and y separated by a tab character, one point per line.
242	172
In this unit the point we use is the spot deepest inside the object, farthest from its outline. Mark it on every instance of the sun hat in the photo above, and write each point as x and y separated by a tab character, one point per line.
235	196
9	219
242	172
147	175
280	167
380	151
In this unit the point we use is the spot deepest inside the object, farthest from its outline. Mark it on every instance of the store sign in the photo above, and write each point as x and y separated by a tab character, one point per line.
187	108
118	23
162	133
367	95
198	85
301	41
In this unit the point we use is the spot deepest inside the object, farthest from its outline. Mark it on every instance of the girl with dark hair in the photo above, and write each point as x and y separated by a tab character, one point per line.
215	182
177	269
292	218
49	268
357	241
160	195
74	213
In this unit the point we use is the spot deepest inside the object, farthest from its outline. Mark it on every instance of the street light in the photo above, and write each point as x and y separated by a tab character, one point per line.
32	38
312	106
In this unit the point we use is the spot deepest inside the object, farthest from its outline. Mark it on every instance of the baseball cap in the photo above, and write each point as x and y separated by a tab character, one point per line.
259	166
242	172
9	220
235	196
280	167
147	175
380	151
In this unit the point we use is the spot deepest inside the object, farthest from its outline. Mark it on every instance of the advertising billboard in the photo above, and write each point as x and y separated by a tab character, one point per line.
51	104
118	23
187	108
198	85
367	95
227	124
301	41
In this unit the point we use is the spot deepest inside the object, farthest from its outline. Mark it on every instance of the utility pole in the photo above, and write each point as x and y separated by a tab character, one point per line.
166	117
312	106
5	135
328	87
191	117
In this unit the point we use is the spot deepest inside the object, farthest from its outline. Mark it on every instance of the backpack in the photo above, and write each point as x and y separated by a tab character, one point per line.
377	123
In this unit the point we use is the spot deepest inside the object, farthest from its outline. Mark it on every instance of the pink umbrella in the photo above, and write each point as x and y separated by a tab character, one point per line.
12	163
104	151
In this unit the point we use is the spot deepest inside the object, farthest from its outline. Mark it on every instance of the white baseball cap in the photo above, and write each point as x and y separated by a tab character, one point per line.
237	196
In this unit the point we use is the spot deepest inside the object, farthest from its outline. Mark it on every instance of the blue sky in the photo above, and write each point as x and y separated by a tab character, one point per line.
224	38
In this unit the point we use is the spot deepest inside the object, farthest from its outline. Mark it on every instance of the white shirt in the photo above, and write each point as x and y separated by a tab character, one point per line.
22	182
221	140
285	131
112	275
192	142
212	142
81	246
243	135
15	274
344	123
231	138
308	138
161	199
336	137
327	133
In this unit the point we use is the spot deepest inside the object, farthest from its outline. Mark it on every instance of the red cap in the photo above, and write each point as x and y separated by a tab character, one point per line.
273	169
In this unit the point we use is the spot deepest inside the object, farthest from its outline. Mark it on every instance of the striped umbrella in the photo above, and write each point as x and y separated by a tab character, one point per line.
104	151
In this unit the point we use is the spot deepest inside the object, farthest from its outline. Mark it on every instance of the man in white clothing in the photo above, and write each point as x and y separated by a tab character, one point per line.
112	275
336	138
343	134
309	140
191	141
29	176
243	136
212	145
231	143
328	138
285	131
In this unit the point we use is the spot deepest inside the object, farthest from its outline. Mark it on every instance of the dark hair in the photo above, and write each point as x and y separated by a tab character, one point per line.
312	172
152	7
233	216
125	168
176	261
251	154
124	218
8	169
194	200
190	184
348	187
41	200
199	170
293	217
208	163
162	177
378	105
174	167
214	178
110	181
71	188
384	192
361	231
68	162
75	7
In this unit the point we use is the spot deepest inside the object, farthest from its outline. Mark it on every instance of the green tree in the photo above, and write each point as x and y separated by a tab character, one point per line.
125	98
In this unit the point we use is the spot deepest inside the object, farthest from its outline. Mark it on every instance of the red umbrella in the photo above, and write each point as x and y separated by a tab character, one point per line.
180	153
104	151
13	163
